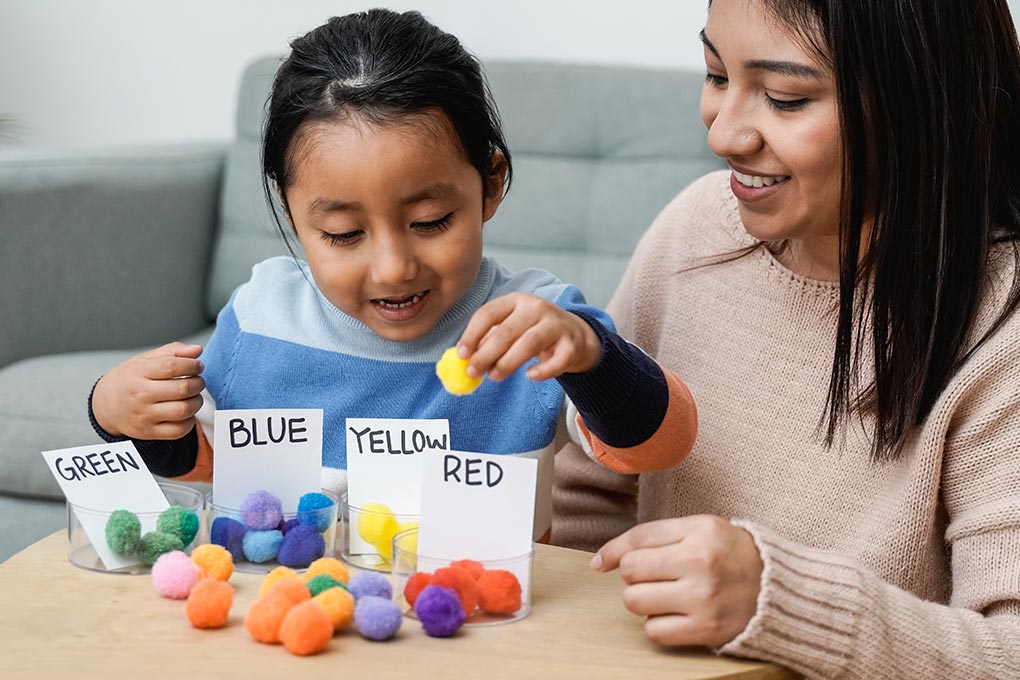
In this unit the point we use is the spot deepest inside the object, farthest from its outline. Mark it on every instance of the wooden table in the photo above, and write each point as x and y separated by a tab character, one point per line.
57	620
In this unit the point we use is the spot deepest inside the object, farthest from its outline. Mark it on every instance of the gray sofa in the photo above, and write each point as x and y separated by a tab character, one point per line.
102	255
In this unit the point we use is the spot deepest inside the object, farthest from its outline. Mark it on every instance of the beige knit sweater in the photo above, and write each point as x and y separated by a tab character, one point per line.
909	569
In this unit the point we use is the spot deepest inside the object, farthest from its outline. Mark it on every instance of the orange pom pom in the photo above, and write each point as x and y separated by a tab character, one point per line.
339	604
306	629
292	589
328	565
265	616
499	592
473	567
209	603
417	583
214	560
461	582
275	576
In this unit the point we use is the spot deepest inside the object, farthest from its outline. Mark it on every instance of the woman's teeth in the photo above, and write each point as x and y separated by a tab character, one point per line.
758	181
399	305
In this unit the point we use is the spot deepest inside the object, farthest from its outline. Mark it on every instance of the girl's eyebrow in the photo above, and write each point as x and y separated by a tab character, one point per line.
785	68
433	192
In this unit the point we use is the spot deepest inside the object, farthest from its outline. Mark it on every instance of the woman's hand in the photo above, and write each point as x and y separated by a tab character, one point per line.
695	578
154	395
509	331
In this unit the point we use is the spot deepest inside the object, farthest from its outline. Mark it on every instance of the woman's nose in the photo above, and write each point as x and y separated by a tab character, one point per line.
732	129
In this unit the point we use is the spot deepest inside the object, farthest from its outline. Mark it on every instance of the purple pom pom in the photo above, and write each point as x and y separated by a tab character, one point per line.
439	611
288	524
229	533
301	546
377	618
261	511
370	583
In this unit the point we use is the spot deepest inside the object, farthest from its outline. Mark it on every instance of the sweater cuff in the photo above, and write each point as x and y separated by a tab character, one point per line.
809	608
103	434
624	397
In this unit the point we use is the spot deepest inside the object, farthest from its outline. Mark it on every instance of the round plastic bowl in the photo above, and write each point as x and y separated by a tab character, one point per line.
357	551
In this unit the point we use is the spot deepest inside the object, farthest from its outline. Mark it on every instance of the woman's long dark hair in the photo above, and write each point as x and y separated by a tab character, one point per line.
929	98
381	67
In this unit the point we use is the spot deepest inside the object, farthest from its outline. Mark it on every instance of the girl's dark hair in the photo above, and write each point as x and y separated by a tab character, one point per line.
379	66
929	99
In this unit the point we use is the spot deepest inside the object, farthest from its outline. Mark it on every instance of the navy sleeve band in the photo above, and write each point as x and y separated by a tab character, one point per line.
163	457
624	398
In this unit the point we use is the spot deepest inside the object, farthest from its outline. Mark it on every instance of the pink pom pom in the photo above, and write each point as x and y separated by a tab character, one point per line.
174	575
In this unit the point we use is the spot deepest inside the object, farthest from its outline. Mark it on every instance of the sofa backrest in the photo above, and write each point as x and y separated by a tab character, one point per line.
598	151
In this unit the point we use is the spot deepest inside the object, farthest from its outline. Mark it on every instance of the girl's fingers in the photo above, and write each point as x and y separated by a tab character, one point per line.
166	367
523	348
175	411
490	314
176	389
552	364
171	430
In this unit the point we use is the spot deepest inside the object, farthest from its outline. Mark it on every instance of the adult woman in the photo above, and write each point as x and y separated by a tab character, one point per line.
843	306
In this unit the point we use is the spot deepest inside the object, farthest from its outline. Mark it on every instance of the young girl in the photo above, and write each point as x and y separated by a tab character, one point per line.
386	155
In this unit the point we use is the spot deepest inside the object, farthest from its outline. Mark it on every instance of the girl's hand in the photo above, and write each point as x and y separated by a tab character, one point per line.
509	331
154	395
695	578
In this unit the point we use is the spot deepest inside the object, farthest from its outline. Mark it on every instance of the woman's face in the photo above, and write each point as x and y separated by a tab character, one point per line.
771	113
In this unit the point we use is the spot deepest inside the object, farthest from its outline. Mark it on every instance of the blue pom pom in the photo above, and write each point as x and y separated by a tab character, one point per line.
370	584
262	546
287	525
229	533
316	509
301	546
261	511
377	618
439	611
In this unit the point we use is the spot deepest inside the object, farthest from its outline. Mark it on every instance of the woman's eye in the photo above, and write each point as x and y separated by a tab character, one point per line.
433	225
787	104
716	80
340	239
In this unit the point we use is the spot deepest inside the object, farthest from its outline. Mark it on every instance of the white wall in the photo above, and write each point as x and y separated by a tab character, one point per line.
86	73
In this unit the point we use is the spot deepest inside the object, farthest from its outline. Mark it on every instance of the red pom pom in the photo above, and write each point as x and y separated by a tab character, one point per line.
417	583
473	567
499	592
461	582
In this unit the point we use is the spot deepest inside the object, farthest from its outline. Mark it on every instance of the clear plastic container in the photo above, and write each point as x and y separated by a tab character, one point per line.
81	552
407	561
358	526
325	516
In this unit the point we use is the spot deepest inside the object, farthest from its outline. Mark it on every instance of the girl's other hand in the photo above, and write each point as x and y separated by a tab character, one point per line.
154	395
511	330
696	578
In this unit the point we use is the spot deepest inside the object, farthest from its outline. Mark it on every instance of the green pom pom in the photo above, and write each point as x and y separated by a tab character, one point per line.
123	532
155	543
322	582
180	522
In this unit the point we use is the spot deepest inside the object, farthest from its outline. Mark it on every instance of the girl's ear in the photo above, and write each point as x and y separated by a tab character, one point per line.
494	185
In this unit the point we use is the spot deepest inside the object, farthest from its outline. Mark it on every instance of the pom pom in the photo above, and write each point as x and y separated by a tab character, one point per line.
459	581
409	542
123	532
377	618
209	603
370	583
339	604
292	589
376	525
261	510
317	510
274	577
262	546
229	533
452	372
156	543
473	567
180	522
322	582
328	565
288	524
174	575
265	616
301	546
499	592
306	629
439	611
214	561
417	583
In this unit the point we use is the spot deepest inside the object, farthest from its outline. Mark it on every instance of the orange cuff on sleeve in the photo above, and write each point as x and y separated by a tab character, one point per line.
202	472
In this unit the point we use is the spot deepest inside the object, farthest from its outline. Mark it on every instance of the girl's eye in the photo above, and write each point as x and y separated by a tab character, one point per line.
787	104
716	81
434	225
340	239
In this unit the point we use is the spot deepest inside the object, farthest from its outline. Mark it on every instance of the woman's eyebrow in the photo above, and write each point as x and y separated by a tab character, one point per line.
708	43
785	68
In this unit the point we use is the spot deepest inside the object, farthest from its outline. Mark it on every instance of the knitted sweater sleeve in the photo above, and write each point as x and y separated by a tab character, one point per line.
824	615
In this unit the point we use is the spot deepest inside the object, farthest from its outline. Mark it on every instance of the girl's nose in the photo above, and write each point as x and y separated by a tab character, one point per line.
394	261
732	131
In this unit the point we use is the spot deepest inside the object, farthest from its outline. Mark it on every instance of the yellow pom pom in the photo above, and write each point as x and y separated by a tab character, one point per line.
339	604
452	371
274	577
376	525
214	561
329	566
409	543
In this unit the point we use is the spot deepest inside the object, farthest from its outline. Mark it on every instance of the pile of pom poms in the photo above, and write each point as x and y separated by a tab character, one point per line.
444	599
176	528
377	525
201	579
260	533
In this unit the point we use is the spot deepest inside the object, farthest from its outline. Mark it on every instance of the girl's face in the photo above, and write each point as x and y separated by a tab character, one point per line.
771	112
390	219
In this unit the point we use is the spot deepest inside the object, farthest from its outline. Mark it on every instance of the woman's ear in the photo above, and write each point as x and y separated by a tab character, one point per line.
494	186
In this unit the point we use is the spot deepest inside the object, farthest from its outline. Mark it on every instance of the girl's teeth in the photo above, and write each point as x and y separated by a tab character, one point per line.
758	181
400	305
